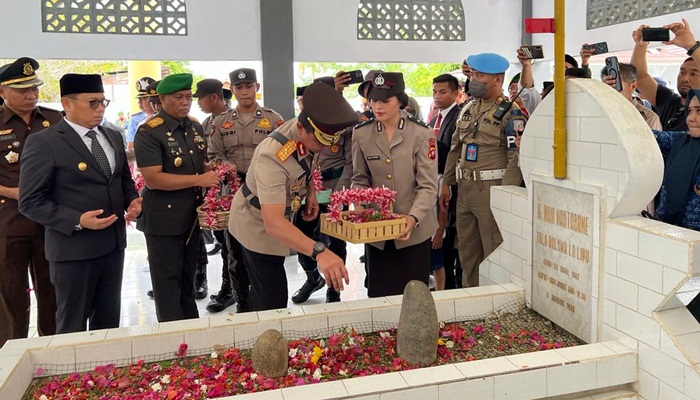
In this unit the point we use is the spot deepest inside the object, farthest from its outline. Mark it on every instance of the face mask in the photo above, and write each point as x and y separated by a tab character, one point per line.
477	89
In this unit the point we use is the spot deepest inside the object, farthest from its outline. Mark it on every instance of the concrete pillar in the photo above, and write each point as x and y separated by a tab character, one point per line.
136	71
277	45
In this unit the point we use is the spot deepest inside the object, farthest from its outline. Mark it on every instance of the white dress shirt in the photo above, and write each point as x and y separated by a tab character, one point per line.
101	138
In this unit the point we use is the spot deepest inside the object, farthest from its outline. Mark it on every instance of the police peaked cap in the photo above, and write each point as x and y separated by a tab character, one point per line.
242	75
328	109
152	90
368	78
20	74
142	86
80	83
385	85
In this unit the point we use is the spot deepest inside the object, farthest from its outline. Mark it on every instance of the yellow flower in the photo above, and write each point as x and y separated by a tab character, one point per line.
441	342
318	352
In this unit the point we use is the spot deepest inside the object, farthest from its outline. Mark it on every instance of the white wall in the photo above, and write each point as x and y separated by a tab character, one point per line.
217	30
326	30
619	37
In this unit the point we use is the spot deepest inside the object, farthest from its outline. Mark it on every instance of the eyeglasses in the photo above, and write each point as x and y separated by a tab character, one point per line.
95	103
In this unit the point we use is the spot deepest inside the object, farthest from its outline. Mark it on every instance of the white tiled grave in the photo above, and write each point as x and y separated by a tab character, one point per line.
596	367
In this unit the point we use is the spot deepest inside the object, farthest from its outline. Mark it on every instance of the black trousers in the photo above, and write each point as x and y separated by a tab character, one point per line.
312	229
453	269
268	281
221	238
237	269
88	290
173	261
391	269
17	254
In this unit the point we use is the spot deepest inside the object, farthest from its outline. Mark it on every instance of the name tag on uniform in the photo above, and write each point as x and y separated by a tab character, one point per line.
373	158
8	137
472	152
173	144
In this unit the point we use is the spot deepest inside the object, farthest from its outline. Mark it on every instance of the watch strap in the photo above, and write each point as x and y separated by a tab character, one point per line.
692	49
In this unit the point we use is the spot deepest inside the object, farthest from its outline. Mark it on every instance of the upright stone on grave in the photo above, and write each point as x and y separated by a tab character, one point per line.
416	339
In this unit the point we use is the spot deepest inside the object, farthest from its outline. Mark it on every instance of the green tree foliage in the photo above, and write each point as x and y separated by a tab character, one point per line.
418	77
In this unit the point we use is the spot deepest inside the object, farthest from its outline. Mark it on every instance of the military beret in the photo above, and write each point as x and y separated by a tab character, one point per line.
20	74
174	83
209	86
152	91
242	75
228	94
300	90
385	85
328	112
142	86
369	76
488	63
514	79
81	83
571	60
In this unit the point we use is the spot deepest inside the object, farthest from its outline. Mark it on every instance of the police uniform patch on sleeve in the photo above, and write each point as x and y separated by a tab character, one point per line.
287	150
155	122
280	123
432	149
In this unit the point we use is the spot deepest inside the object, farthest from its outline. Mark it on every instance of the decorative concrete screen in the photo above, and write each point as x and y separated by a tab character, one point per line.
126	17
602	13
428	20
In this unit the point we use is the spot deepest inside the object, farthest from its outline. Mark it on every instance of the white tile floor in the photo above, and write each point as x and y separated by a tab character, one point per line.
138	308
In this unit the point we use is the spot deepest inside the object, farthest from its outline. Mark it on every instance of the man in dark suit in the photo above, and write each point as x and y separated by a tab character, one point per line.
445	91
75	181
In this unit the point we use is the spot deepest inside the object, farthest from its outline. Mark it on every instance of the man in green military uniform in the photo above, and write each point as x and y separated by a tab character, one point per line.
235	135
171	152
483	154
21	239
278	179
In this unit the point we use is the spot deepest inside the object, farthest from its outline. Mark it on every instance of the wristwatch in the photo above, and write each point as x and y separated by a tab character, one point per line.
415	219
319	247
692	49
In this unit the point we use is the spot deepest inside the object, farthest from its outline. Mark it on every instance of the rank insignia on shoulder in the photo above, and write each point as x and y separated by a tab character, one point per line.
287	150
212	130
258	113
265	123
402	123
364	123
155	122
227	125
46	124
280	123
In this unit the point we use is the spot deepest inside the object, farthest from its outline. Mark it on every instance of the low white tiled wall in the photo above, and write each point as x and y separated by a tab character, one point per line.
524	376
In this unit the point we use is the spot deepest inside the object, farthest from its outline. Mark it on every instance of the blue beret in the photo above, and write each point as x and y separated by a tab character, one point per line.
488	63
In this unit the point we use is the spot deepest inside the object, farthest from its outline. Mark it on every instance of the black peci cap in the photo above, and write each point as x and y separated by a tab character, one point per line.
242	75
385	85
209	86
328	111
81	83
20	74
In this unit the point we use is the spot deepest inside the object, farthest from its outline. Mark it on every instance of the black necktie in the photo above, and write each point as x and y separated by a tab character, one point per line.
99	154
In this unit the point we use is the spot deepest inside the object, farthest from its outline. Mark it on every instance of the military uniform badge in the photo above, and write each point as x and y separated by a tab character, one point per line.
265	123
12	157
46	124
227	125
177	162
285	151
155	122
432	149
335	149
27	69
280	123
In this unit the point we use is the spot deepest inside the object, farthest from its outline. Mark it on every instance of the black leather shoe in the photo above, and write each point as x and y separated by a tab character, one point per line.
200	286
150	293
332	296
217	248
307	289
220	302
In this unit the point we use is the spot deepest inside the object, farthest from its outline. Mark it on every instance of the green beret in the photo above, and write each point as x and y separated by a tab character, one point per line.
174	83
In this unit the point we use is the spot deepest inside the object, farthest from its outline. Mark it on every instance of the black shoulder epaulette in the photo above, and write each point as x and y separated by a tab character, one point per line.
421	123
363	123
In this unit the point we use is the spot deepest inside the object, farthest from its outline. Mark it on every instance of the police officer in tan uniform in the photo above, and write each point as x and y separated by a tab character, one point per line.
278	179
234	136
21	239
394	150
483	154
335	165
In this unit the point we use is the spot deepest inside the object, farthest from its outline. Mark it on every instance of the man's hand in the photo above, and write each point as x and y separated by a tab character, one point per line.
437	238
523	59
90	220
134	209
682	36
609	80
445	195
311	209
637	36
333	269
585	54
209	179
340	80
410	225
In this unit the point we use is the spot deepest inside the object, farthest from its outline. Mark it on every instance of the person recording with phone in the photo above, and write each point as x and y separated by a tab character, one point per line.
670	107
628	77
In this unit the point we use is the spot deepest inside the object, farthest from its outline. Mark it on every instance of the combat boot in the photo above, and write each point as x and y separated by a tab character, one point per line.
242	300
314	282
200	282
224	298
